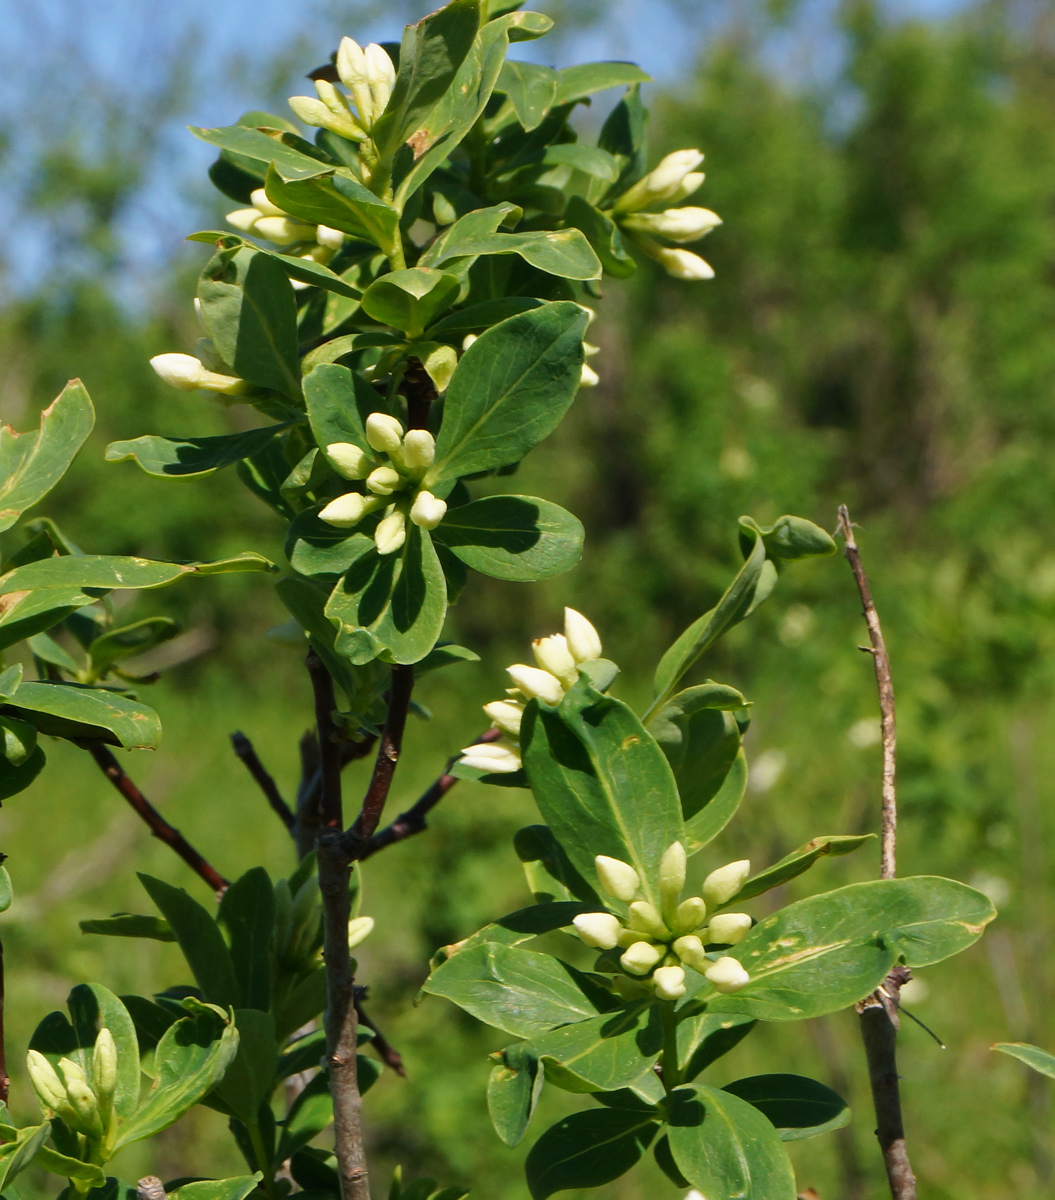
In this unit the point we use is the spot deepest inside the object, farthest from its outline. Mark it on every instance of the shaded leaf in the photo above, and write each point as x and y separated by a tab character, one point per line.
113	571
513	537
187	458
69	710
24	614
603	1053
796	1106
587	1150
131	925
513	1092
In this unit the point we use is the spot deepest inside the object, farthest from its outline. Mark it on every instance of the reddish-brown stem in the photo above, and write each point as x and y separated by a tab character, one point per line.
157	824
388	1054
244	749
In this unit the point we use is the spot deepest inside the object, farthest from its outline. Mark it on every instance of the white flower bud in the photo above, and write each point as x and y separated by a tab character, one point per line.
259	200
384	433
729	928
45	1081
499	758
676	224
689	185
332	239
359	929
690	915
588	377
584	642
641	957
186	373
682	264
672	877
391	532
536	684
244	219
104	1066
381	76
691	952
552	654
468	340
349	509
349	460
419	451
662	182
723	884
383	481
85	1105
506	715
353	70
314	112
670	983
599	930
72	1071
283	231
646	917
427	510
618	879
727	975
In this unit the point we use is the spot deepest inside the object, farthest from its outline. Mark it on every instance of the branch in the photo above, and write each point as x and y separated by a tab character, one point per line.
330	806
413	820
159	827
388	1054
243	748
878	1014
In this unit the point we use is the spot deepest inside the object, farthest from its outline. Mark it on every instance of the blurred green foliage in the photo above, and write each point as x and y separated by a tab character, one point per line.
881	333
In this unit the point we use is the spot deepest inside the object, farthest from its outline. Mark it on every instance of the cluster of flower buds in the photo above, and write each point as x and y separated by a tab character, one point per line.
638	211
559	658
368	74
392	475
86	1107
266	220
661	942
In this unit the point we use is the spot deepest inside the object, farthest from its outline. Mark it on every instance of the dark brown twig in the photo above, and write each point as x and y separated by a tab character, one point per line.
243	748
879	1013
159	827
330	806
388	1054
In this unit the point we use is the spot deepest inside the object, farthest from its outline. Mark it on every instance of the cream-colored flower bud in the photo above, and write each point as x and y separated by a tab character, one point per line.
641	957
682	264
617	878
313	111
499	758
104	1066
670	983
188	375
722	885
690	915
427	510
384	433
588	377
627	937
419	451
85	1105
349	509
391	532
383	481
675	224
244	219
599	930
359	929
350	460
552	654
283	231
468	340
536	684
264	206
727	975
332	239
729	929
691	952
583	640
71	1071
353	71
647	918
46	1082
506	715
381	76
672	877
688	187
662	182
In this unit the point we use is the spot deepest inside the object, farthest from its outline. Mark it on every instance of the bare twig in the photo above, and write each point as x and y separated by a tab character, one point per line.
243	748
159	827
879	1013
388	1054
330	806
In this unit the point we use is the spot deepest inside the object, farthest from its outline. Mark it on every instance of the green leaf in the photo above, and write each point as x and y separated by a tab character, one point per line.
1032	1056
262	149
726	1147
531	89
31	464
602	784
513	1092
511	389
527	923
199	939
787	538
587	1150
536	847
391	606
798	861
69	710
69	1168
137	638
828	951
604	237
237	1188
338	201
16	1156
339	401
575	83
16	779
796	1106
410	300
565	253
604	1053
247	911
131	925
304	269
249	310
7	893
18	740
483	315
513	537
190	1060
9	680
312	1112
518	991
112	571
249	1078
188	458
29	613
478	223
707	1037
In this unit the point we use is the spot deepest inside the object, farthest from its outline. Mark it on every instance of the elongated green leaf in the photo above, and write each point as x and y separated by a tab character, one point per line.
483	315
16	1156
798	861
410	300
16	779
513	537
511	389
604	236
602	784
188	458
263	149
537	848
575	83
131	925
247	911
68	710
391	606
565	253
828	951
602	1054
112	571
32	463
726	1147
305	270
250	1076
237	1188
69	1168
519	991
524	925
339	401
796	1106
311	1113
513	1092
7	894
587	1150
1032	1056
480	222
787	538
707	1037
23	614
531	89
338	201
18	740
